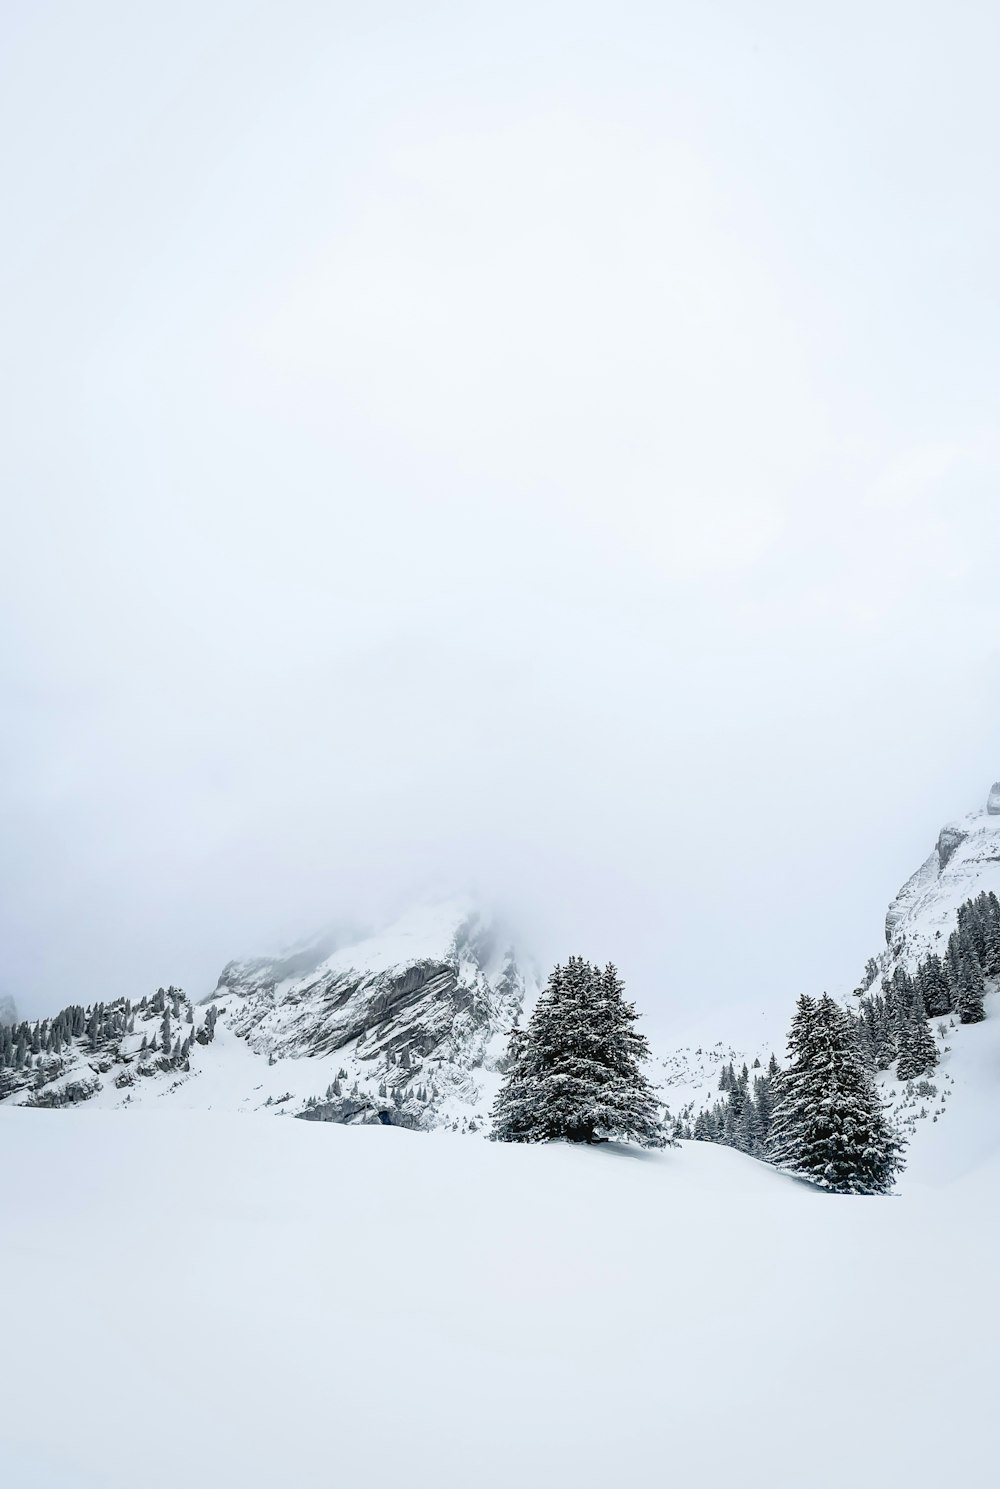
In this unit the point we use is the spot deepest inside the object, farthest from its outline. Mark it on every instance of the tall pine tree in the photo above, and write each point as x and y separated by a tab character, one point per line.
574	1073
970	987
918	1053
829	1125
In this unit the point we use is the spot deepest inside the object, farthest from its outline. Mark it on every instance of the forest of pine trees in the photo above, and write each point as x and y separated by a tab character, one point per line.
36	1053
742	1119
574	1072
894	1023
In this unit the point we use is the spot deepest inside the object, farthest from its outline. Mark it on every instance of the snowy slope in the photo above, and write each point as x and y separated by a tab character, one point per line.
951	1117
205	1300
964	862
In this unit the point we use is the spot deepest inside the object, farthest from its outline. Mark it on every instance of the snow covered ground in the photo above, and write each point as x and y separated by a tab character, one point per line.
208	1299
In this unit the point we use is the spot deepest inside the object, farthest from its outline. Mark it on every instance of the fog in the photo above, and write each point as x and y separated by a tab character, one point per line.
549	449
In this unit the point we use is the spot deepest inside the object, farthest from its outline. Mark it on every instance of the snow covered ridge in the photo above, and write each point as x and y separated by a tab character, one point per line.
407	1028
964	863
69	1058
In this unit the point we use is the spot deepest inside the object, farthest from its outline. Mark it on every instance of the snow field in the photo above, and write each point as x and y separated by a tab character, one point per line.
205	1299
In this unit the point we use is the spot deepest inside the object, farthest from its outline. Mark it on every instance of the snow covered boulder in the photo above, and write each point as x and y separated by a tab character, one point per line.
993	804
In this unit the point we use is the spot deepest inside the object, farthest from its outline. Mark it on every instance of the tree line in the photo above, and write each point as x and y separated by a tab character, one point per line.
894	1024
743	1118
35	1053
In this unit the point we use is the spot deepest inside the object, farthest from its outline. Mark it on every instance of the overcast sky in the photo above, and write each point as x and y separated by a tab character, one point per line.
548	447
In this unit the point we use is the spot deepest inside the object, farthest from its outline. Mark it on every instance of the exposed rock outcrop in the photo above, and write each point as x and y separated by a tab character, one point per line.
993	802
417	1017
949	839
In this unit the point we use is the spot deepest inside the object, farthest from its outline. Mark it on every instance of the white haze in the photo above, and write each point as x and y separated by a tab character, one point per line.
548	447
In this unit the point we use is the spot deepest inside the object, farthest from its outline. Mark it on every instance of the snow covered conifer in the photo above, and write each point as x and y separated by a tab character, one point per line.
748	1131
936	991
763	1097
829	1125
970	988
574	1073
917	1050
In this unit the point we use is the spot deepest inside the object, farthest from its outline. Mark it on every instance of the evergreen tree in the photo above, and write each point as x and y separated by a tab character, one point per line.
763	1094
574	1072
748	1130
970	987
917	1050
829	1125
936	990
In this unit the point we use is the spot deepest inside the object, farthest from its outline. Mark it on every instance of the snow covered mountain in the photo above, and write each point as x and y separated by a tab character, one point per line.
409	1024
964	862
406	1028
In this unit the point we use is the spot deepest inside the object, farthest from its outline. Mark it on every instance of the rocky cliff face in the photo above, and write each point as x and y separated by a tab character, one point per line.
965	861
993	802
405	1027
